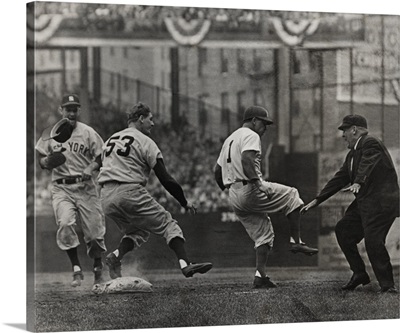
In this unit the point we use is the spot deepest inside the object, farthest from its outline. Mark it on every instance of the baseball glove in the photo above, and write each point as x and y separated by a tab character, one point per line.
54	160
60	132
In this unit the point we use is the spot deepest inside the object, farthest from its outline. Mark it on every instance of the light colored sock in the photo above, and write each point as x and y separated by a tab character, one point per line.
293	242
116	252
182	263
77	268
259	275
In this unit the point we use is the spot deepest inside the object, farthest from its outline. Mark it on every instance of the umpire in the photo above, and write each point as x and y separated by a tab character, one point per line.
369	170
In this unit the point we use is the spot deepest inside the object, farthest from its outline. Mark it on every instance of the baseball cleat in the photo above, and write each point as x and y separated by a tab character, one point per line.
114	266
263	283
302	248
388	290
98	275
77	279
356	280
193	268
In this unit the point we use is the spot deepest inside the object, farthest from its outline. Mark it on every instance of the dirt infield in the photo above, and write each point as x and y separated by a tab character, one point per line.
220	297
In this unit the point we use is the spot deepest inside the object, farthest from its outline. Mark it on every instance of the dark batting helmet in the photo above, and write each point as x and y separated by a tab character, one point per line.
257	112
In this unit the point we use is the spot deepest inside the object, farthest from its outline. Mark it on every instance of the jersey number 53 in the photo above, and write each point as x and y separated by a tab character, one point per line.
125	141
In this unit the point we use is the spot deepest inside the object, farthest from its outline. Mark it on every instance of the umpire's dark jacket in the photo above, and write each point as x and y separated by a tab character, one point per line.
372	168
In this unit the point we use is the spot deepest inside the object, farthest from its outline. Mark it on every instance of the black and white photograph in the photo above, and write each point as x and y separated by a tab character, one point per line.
207	166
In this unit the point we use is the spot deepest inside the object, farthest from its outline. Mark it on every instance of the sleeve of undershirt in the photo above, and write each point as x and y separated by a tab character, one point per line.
169	183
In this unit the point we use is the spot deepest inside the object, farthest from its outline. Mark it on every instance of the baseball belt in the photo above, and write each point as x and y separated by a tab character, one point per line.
68	181
243	182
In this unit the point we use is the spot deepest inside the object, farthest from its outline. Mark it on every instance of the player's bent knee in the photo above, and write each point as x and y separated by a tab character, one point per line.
295	194
95	247
172	233
138	239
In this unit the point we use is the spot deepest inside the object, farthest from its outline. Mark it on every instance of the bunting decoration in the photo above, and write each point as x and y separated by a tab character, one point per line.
293	33
187	32
42	28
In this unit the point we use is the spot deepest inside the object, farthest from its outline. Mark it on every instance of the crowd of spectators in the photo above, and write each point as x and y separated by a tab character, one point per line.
129	18
124	18
188	157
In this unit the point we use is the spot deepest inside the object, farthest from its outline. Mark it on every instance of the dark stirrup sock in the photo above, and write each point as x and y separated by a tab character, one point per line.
125	246
97	263
261	259
177	244
73	256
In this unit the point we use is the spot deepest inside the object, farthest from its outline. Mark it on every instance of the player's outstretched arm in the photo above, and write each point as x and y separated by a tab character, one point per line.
190	208
169	183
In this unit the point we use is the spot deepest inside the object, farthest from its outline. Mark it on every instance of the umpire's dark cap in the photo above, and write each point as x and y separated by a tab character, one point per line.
70	99
257	112
353	120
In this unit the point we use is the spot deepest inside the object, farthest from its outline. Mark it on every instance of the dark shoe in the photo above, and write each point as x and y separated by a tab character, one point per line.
356	280
77	279
263	282
191	269
114	266
302	248
98	275
391	290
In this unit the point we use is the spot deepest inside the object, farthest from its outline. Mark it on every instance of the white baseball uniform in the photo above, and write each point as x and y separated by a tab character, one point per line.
128	157
251	205
81	197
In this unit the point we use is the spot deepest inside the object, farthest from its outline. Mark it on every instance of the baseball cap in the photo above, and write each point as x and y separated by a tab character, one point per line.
353	120
257	112
70	99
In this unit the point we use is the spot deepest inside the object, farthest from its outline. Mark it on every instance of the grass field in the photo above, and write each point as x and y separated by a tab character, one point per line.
220	297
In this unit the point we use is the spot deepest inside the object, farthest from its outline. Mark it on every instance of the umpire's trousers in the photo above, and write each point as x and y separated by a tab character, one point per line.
373	224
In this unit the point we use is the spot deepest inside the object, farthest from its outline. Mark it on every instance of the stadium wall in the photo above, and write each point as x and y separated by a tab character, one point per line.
217	237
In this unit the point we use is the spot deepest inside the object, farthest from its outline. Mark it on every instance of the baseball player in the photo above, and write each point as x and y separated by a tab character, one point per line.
128	157
73	190
252	198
